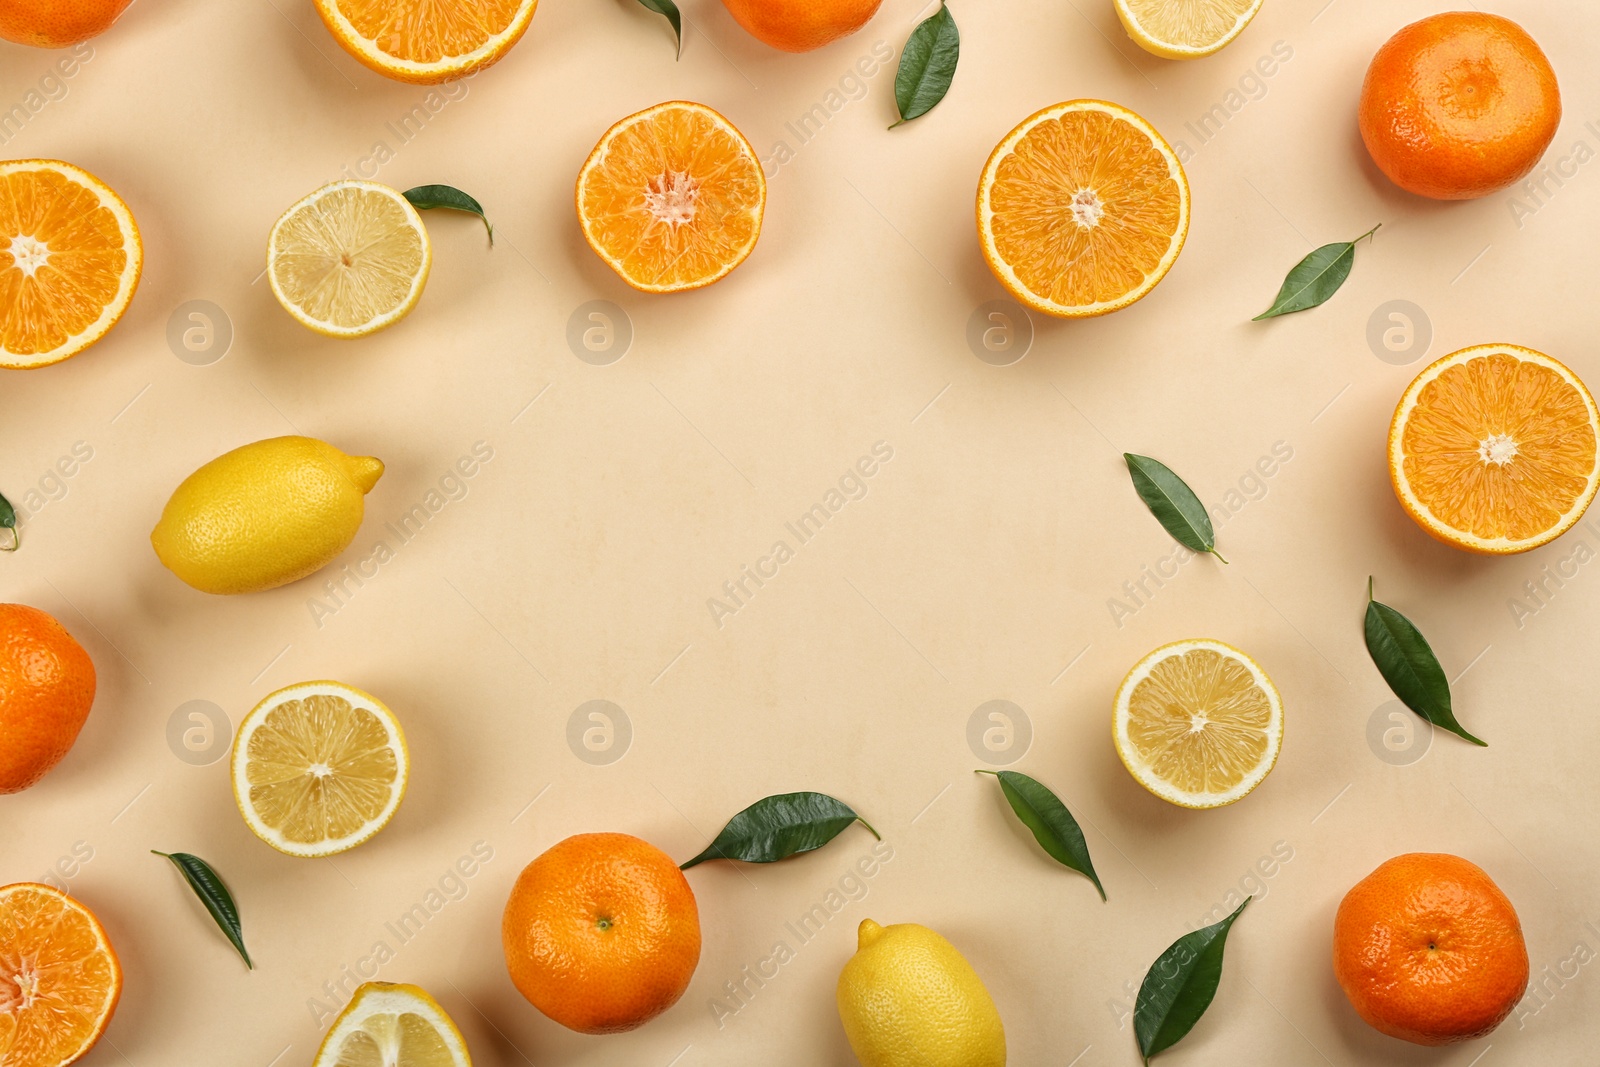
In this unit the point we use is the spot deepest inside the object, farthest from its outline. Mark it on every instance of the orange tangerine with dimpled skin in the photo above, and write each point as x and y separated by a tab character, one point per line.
601	933
1459	105
801	25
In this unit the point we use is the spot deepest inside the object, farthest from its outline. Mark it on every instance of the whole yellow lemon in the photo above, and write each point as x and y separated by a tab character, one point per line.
264	515
907	998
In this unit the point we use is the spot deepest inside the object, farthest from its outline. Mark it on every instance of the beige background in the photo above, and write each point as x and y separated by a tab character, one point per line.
979	565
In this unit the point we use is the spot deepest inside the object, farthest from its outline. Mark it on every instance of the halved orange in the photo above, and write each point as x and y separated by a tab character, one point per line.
427	41
1493	449
1082	209
70	258
59	978
672	197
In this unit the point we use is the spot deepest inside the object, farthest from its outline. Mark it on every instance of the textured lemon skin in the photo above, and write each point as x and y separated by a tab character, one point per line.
907	998
264	515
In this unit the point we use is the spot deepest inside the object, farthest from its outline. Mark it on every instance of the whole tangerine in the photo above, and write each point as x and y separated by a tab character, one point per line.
1429	950
1459	105
57	23
46	689
601	933
801	25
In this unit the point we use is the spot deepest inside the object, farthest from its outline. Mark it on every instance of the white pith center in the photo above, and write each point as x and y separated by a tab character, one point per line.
1087	209
1198	722
27	990
320	770
671	197
1498	449
29	254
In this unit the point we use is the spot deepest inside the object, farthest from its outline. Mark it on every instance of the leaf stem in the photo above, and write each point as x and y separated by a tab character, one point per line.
1214	552
868	825
1369	233
1369	589
16	540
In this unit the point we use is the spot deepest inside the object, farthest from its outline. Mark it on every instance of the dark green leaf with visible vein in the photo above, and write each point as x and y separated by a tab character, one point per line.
8	521
1173	504
927	65
1052	824
670	10
1315	278
779	827
426	197
1179	986
1406	661
208	886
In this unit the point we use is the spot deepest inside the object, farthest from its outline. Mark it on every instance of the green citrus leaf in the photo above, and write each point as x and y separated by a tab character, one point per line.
779	827
1179	986
1407	663
8	521
208	886
927	65
427	197
1315	278
670	10
1052	824
1173	504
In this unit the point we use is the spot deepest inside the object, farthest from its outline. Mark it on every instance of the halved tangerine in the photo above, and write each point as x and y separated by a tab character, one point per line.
425	41
70	258
1082	209
1493	449
59	978
672	197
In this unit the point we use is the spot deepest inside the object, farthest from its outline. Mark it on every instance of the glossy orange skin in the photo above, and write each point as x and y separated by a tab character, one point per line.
57	23
801	25
1459	105
601	933
46	689
1429	950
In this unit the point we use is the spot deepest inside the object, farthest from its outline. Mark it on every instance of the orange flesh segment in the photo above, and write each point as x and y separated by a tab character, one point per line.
427	31
1162	721
58	979
676	198
81	271
1039	197
1499	447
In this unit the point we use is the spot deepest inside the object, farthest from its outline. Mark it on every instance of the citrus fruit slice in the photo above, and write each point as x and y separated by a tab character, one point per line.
1493	449
1198	723
350	259
70	258
1082	209
425	42
389	1025
318	768
672	197
1185	29
59	978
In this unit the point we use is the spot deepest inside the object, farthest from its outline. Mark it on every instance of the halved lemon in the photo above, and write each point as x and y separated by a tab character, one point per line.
1082	209
318	768
1493	449
349	259
59	978
427	41
1185	29
672	197
390	1025
1198	723
70	259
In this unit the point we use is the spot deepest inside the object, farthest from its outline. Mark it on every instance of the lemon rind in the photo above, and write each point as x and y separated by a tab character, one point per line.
238	759
1120	716
418	282
1171	50
388	998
